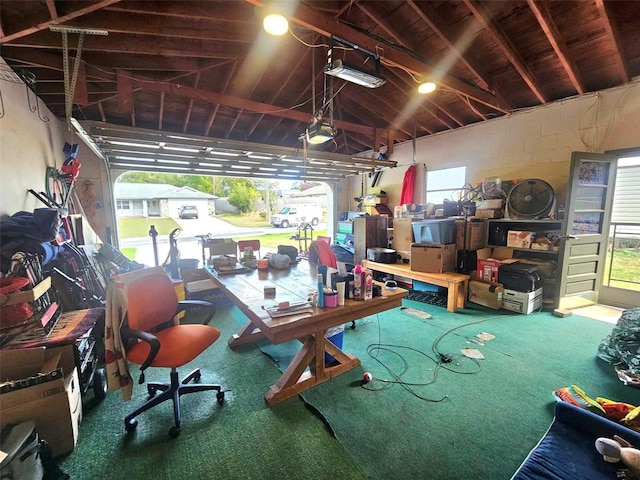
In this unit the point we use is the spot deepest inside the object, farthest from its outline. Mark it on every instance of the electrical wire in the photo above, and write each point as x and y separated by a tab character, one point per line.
441	361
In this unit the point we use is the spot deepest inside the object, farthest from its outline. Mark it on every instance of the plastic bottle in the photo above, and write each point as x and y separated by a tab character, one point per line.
320	291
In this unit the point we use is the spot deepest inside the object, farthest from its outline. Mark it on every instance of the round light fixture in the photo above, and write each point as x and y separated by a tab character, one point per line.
275	24
426	87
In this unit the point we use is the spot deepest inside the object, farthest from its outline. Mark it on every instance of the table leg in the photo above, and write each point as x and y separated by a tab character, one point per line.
307	369
452	297
248	334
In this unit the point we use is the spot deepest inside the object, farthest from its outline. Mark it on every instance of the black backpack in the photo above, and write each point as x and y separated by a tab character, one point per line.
28	457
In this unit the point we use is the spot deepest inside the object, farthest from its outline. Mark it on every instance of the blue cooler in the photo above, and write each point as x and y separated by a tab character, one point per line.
335	335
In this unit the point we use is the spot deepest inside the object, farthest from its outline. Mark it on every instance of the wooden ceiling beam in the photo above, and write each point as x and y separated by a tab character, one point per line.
481	13
138	23
327	26
57	21
612	32
140	45
225	88
540	10
190	107
384	26
430	17
398	38
239	103
161	111
51	5
277	93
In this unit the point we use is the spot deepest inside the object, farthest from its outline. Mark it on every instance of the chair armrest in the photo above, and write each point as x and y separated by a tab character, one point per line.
147	337
184	304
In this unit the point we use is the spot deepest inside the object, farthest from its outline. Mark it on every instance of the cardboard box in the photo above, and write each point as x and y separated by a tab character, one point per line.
199	286
519	239
489	212
42	385
402	234
475	236
489	261
433	257
487	294
522	302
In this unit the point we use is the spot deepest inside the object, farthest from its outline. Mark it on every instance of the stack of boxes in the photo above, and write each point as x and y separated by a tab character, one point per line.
504	282
434	249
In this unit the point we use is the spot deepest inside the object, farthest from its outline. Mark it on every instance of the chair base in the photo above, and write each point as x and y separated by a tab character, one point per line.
172	391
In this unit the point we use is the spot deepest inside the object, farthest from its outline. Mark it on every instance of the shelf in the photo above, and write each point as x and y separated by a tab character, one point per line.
26	295
535	250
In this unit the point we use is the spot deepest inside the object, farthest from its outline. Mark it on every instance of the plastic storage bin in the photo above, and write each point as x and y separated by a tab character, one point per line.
434	231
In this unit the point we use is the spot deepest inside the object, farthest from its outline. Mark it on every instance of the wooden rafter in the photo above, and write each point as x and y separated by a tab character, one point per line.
440	28
483	16
326	26
612	32
58	20
161	111
51	5
541	11
190	107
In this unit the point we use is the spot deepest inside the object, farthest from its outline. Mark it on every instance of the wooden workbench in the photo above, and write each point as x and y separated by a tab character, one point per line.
308	368
457	284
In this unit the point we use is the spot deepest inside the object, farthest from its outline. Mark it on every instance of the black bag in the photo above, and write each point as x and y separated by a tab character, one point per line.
28	457
288	250
20	443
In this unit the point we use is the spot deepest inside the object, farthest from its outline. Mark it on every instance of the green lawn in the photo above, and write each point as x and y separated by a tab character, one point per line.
625	268
272	240
238	220
132	227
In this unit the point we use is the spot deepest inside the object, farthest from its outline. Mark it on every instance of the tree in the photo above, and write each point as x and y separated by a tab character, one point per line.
243	195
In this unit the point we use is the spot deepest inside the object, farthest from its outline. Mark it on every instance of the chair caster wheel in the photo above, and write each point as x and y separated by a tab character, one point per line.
197	376
151	391
100	384
131	425
174	431
220	397
353	325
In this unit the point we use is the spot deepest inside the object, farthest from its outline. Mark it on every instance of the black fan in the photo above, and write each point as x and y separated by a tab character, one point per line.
532	198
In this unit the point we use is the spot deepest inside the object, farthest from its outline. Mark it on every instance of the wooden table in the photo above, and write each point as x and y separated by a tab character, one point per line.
457	284
308	368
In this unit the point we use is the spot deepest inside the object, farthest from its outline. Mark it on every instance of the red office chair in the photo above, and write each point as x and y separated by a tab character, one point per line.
255	244
154	340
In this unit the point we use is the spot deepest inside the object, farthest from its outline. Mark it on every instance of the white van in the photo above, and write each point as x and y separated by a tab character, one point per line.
297	214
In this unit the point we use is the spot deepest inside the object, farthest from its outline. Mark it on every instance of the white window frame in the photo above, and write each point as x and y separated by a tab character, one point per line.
445	184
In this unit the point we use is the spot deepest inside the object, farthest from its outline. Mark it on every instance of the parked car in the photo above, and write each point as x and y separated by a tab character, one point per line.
188	211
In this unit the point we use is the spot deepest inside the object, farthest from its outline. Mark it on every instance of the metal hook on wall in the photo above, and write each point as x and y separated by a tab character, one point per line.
29	80
36	106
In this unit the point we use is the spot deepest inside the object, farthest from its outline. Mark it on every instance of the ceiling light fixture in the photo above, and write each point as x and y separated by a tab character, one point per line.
351	73
426	87
275	24
319	133
354	75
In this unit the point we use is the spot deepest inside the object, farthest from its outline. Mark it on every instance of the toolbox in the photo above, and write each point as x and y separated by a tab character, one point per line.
521	277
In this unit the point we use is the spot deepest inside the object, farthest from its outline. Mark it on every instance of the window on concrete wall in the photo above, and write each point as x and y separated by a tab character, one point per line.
445	184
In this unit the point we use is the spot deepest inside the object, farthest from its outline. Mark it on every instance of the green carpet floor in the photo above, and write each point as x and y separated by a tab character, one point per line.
492	414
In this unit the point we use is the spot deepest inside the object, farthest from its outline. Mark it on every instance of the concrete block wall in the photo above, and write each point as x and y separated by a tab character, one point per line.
533	143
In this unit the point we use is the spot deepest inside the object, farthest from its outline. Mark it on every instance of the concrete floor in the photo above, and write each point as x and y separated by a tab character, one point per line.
604	313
